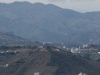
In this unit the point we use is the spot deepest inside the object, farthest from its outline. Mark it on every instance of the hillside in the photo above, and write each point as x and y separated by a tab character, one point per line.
8	38
49	23
51	61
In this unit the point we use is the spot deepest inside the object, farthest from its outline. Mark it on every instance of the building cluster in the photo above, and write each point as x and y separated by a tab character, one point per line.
84	51
5	65
42	48
10	52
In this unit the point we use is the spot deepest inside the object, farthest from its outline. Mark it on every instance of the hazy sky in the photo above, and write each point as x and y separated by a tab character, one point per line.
77	5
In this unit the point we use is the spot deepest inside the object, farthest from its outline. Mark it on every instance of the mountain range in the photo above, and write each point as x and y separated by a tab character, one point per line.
49	23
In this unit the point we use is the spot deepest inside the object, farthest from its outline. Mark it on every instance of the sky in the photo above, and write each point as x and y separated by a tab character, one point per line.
77	5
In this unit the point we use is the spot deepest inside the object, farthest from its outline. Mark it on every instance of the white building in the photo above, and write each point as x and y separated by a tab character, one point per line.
84	46
75	50
36	73
82	73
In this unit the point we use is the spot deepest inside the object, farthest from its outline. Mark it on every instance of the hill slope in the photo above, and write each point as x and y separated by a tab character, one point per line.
50	62
8	38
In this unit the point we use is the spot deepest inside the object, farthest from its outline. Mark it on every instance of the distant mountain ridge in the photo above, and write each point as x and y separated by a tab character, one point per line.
50	23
